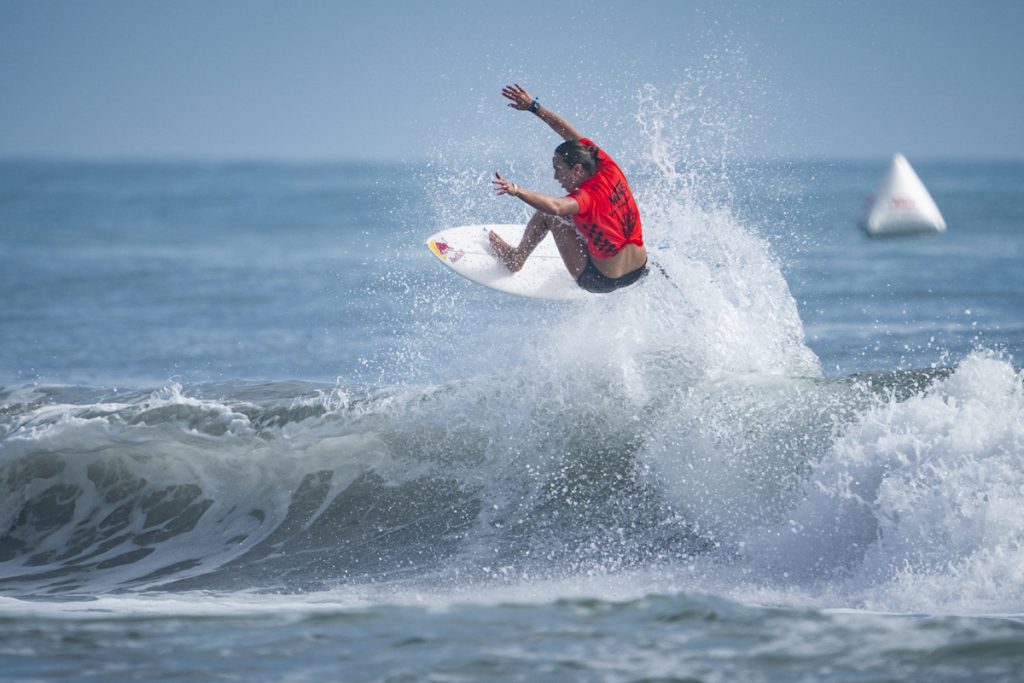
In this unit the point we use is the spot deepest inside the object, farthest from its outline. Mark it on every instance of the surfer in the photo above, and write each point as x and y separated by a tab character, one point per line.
596	225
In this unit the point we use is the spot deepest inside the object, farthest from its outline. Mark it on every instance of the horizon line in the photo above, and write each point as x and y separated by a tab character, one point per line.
287	160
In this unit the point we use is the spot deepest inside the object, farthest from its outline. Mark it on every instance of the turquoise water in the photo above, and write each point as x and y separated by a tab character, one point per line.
249	429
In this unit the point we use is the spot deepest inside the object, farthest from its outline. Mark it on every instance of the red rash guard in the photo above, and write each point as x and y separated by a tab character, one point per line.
608	217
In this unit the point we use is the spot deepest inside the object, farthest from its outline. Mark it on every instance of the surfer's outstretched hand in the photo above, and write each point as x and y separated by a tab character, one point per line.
502	186
521	99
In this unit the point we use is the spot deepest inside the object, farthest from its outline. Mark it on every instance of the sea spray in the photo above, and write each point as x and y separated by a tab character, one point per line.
914	505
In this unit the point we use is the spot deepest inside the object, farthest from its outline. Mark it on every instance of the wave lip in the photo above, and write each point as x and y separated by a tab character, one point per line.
164	486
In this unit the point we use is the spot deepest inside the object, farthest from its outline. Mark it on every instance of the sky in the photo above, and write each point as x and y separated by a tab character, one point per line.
387	80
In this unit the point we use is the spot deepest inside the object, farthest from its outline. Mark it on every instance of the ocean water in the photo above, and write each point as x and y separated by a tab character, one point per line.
251	430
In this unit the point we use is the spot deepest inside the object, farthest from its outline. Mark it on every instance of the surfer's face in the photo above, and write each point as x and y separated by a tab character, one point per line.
569	178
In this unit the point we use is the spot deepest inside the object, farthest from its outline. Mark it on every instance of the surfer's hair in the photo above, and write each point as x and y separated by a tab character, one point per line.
575	152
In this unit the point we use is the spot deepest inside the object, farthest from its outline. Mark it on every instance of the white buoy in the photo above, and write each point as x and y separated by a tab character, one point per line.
902	205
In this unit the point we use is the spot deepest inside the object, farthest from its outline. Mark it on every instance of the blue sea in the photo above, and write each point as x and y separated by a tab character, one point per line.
251	430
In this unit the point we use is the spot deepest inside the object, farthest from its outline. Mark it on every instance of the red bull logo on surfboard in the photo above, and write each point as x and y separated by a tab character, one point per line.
444	252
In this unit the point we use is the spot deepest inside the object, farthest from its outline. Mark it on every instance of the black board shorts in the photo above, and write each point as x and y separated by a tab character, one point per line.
593	280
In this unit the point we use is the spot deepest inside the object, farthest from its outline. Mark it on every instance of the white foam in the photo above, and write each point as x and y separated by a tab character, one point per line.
917	504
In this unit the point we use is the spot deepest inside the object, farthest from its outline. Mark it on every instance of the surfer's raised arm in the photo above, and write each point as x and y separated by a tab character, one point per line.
522	101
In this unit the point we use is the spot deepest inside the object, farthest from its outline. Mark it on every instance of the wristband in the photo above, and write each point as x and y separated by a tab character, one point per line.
534	106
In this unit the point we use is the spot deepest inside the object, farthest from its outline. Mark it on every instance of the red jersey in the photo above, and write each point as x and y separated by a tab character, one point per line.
608	217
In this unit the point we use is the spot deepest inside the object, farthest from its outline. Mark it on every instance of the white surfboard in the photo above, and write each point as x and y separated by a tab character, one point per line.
902	204
466	250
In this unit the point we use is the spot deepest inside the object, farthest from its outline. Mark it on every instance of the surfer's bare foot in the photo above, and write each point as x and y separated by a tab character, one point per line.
505	252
